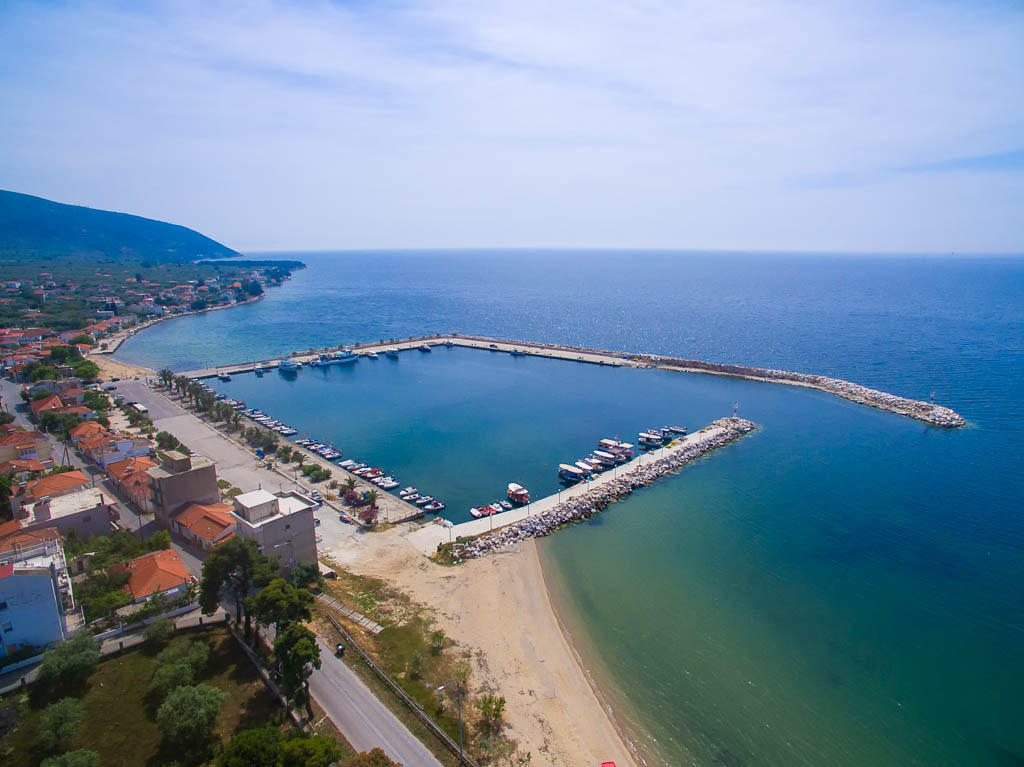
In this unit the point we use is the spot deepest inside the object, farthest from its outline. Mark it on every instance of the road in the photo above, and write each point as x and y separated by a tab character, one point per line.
366	722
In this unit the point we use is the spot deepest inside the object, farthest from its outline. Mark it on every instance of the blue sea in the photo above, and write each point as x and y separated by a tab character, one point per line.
843	587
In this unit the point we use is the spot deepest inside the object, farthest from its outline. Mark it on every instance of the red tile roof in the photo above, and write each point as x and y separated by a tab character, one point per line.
154	572
55	484
46	403
206	521
21	437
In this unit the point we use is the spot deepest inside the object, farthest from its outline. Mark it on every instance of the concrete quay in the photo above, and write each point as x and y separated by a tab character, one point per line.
928	412
579	501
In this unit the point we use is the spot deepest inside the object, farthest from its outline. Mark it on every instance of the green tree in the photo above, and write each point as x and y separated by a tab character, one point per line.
235	565
59	723
159	541
253	748
278	603
82	338
69	662
159	632
6	485
80	758
188	715
374	758
298	655
437	640
315	751
491	708
86	370
169	677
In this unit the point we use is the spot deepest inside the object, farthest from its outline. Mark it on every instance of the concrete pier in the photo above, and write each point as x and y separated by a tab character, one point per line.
608	485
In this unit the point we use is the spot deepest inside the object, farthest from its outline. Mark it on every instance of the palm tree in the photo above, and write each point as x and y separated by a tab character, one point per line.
372	497
349	485
167	377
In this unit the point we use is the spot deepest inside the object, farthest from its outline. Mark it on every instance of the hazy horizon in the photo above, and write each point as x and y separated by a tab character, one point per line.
888	127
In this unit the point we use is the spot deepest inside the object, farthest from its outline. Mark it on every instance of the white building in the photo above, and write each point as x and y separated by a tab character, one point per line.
283	525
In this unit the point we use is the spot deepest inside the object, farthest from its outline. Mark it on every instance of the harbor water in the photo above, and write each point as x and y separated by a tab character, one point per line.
843	587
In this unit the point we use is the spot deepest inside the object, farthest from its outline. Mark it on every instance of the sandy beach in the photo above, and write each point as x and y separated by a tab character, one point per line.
499	605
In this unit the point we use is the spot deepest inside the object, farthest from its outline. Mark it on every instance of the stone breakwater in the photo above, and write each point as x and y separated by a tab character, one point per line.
587	505
929	412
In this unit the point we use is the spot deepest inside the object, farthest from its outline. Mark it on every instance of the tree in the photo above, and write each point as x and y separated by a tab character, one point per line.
170	677
374	758
253	748
315	751
279	604
436	641
6	484
298	655
188	715
159	632
236	565
86	370
416	663
82	338
80	758
491	708
70	661
59	723
372	497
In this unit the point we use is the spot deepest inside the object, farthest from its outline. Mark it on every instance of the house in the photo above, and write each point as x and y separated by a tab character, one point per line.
85	429
110	447
35	595
159	572
22	445
55	485
180	480
44	405
283	525
130	475
22	470
88	512
205	525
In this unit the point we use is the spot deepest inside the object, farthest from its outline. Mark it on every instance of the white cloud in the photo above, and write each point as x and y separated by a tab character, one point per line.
691	124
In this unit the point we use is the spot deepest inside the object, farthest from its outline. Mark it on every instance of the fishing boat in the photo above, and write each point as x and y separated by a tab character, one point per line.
392	353
650	440
518	353
570	473
224	377
518	494
587	468
506	505
681	430
258	372
434	506
371	355
288	365
495	507
425	348
604	456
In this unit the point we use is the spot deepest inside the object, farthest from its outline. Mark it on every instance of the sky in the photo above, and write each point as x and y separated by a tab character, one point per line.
769	125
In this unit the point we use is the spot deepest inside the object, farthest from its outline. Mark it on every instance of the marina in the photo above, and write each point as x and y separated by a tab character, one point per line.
928	412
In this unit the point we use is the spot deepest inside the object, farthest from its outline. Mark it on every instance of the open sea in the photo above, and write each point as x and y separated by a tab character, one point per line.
843	587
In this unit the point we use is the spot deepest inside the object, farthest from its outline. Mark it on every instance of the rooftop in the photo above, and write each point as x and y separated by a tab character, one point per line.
72	503
54	484
154	572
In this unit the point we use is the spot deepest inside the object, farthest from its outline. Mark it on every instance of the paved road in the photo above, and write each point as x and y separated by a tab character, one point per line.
366	722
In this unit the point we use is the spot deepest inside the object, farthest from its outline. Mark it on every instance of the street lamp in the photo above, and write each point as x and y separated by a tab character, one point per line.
458	698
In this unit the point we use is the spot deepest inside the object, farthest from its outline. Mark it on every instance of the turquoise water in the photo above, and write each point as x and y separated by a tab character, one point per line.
843	587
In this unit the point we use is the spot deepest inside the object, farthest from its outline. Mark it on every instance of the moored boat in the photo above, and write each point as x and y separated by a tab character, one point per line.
392	353
425	348
435	506
495	507
570	473
289	364
518	494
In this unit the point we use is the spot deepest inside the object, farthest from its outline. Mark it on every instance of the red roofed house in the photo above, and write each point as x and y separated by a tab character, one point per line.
130	475
22	470
21	445
205	525
159	572
55	485
40	406
86	429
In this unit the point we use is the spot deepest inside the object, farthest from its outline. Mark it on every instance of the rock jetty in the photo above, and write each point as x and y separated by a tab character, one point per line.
587	505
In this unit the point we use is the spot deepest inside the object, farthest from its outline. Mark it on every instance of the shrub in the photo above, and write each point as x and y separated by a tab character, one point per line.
59	723
159	632
253	748
188	715
79	758
170	677
70	661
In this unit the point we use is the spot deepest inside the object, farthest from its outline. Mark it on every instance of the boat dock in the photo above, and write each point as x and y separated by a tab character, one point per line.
610	485
928	412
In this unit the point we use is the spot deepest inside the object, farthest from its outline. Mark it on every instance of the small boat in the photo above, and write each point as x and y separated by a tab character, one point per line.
676	429
392	353
495	507
586	467
434	506
388	484
372	355
407	491
359	466
347	464
650	440
518	353
518	494
224	377
258	372
506	505
604	456
411	498
481	511
570	473
288	364
423	500
425	348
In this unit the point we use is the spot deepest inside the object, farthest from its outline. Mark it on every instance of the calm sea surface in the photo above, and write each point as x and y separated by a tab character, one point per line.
844	587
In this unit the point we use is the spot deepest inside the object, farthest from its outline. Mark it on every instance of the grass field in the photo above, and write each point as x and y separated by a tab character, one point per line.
119	722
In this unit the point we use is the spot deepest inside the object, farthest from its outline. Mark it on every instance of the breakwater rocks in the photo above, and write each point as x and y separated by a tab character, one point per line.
928	412
582	507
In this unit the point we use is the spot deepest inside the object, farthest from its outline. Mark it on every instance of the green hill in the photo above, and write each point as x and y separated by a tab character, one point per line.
34	228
